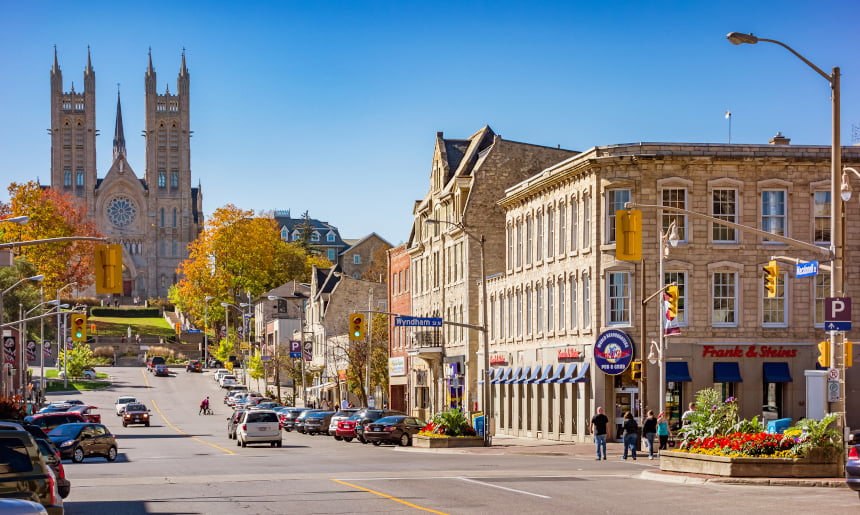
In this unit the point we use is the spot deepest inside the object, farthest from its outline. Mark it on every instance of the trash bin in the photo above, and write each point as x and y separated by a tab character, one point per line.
778	426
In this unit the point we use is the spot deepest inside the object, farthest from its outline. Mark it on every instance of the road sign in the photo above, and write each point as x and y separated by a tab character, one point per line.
417	322
806	269
295	349
833	374
837	313
837	326
832	391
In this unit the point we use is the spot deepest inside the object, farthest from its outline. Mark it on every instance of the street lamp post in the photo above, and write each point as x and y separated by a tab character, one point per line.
487	400
837	277
37	278
23	331
206	331
60	343
667	239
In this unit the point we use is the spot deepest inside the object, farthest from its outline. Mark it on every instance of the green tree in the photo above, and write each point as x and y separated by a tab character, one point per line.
227	347
306	231
77	360
256	368
357	355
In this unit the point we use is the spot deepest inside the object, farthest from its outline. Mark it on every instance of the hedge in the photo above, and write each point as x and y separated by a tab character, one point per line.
126	313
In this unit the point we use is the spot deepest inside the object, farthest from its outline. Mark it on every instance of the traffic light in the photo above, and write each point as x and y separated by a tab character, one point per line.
108	264
672	299
771	273
178	327
824	354
79	327
848	355
357	326
628	235
636	370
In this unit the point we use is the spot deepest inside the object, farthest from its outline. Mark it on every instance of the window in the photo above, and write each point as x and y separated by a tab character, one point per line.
519	243
586	302
331	256
315	236
67	178
773	211
529	236
616	200
162	180
679	278
724	205
574	223
550	232
822	291
330	237
174	179
773	308
562	314
356	259
725	304
511	315
574	316
285	235
675	197
519	313
562	229
510	232
618	289
550	307
821	209
502	316
174	217
492	308
539	240
162	216
586	223
79	179
528	314
539	307
173	248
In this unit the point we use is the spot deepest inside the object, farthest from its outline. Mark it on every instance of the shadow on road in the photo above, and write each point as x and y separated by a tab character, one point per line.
115	508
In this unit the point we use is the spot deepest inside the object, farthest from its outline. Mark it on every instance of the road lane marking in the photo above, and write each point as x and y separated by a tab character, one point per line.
145	379
155	405
503	488
401	501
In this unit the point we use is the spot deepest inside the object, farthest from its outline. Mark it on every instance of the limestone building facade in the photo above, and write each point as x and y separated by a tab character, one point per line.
155	217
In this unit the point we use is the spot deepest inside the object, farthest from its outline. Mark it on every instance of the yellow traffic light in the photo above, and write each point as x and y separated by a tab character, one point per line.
79	327
848	356
636	370
824	354
672	299
628	235
108	267
357	326
771	275
178	327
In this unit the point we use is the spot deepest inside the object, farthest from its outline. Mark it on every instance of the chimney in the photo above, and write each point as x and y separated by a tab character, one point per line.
779	139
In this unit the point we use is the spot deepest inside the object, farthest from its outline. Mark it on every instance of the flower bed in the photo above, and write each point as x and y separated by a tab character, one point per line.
446	442
689	462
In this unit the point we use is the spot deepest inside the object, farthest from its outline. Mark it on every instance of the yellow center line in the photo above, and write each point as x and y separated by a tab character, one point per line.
155	405
401	501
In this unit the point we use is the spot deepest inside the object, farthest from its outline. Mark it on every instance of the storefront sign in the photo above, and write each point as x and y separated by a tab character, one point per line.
613	352
750	351
498	359
341	375
397	366
568	354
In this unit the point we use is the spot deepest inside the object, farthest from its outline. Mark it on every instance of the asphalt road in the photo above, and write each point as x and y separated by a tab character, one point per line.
184	463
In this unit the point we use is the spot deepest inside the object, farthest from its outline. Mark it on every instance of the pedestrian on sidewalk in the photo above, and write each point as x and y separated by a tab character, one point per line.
649	429
686	418
631	432
598	429
663	430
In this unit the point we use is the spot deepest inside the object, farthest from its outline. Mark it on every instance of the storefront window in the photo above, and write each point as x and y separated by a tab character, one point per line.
673	404
726	389
772	404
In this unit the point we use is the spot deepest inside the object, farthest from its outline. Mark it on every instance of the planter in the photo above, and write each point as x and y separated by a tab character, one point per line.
677	461
447	442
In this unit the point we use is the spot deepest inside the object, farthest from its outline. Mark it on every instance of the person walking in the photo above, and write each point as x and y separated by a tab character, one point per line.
631	432
663	430
598	429
649	429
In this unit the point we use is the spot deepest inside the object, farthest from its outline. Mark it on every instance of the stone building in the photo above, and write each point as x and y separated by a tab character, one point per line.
467	178
359	257
154	218
562	294
400	302
324	237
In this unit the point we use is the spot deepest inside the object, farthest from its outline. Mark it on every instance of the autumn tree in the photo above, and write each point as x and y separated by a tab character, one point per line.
357	355
53	214
377	271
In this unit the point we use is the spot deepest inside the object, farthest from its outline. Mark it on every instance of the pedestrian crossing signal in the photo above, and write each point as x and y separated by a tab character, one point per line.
636	370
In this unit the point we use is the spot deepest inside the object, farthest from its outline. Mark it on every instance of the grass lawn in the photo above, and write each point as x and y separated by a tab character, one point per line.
118	326
56	385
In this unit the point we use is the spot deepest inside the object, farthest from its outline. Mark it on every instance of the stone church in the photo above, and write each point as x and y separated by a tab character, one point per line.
155	217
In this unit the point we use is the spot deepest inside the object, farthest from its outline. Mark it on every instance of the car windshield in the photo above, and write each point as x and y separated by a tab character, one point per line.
14	456
66	430
135	407
261	417
390	420
125	400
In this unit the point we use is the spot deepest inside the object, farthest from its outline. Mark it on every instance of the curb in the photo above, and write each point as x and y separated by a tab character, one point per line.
673	477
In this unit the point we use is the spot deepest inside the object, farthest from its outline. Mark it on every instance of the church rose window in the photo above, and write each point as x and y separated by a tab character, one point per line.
121	211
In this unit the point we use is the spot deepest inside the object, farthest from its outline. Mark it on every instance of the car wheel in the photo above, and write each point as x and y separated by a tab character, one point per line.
124	424
111	455
405	441
288	429
362	440
347	438
78	455
280	443
377	443
244	443
147	424
338	438
272	444
238	443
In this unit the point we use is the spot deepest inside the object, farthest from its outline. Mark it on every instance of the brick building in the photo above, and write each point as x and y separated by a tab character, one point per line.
399	301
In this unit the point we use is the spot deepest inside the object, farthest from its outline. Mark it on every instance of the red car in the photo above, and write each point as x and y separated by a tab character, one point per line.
48	421
90	413
346	428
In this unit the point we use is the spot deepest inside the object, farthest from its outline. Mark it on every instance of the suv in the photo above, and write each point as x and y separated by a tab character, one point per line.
135	414
194	366
121	403
342	414
48	421
156	360
23	473
259	426
366	416
220	372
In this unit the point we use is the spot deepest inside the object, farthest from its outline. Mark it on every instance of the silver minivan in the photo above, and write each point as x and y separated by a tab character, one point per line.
259	426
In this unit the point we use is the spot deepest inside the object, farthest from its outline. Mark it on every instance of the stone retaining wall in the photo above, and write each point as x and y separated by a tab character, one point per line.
677	461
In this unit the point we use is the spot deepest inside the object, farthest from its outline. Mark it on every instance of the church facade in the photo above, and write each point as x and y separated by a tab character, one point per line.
153	217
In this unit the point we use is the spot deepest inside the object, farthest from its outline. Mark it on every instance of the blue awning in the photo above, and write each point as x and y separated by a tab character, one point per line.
582	376
570	374
506	375
727	372
524	376
535	375
677	371
493	373
547	375
559	374
516	375
497	377
776	373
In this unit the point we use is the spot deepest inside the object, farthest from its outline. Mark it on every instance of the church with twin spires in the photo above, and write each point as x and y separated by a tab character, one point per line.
155	217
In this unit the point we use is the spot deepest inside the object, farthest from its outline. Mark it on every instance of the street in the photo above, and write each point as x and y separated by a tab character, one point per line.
184	463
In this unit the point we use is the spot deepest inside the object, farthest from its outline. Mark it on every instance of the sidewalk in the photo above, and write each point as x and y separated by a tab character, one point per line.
511	445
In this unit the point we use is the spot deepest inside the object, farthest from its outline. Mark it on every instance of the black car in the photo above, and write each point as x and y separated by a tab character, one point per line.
79	441
24	474
232	422
51	456
398	429
317	422
135	413
299	423
368	415
288	417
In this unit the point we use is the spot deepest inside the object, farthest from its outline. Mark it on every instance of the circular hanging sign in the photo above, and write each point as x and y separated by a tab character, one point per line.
613	352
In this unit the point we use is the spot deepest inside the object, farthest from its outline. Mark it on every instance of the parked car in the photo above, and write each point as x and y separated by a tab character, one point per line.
342	414
79	441
52	458
25	475
267	405
852	466
220	372
55	408
397	429
48	421
194	366
135	413
73	402
121	403
259	426
232	422
162	370
288	417
253	402
86	374
299	422
90	413
317	422
346	428
367	416
227	380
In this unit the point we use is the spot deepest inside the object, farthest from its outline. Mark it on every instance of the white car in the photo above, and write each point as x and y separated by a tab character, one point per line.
220	373
228	380
122	402
259	426
86	374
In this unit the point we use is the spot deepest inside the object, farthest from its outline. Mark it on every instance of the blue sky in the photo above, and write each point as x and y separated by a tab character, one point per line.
332	107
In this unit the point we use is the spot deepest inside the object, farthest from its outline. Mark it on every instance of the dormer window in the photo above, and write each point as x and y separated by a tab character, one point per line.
315	236
285	234
330	237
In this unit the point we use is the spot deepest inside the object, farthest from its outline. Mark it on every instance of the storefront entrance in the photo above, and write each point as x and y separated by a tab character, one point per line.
626	399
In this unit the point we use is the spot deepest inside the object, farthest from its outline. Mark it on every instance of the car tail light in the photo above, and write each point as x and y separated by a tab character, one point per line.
389	428
280	426
52	485
244	427
853	454
60	468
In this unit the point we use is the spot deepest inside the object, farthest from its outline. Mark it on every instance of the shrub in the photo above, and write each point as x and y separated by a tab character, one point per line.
449	423
125	313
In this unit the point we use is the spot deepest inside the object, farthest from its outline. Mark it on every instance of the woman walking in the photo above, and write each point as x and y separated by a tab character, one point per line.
631	432
663	431
649	430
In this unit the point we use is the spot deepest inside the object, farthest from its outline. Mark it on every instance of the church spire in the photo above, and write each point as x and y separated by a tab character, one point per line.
89	62
118	136
149	69
56	63
183	71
